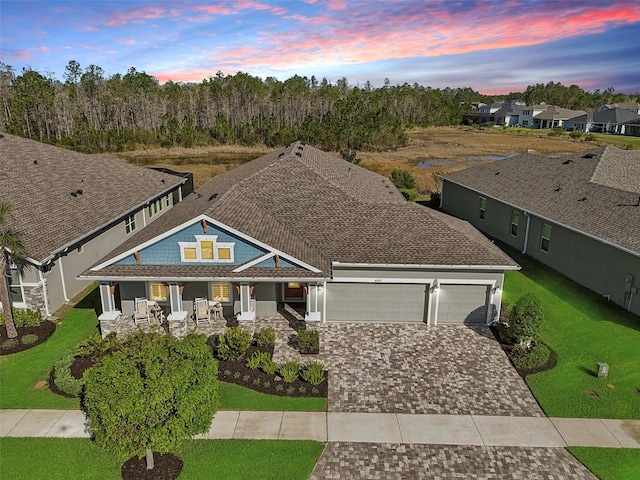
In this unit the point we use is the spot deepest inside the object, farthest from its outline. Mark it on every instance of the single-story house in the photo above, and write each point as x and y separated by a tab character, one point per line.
71	209
610	120
577	213
302	227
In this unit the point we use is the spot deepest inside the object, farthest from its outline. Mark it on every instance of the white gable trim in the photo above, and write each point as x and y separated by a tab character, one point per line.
254	262
193	221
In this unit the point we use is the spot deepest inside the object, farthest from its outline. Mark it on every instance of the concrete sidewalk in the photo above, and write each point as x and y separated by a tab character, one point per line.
366	427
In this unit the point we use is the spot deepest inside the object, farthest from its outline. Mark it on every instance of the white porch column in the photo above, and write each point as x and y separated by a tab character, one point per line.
175	297
247	305
107	299
312	314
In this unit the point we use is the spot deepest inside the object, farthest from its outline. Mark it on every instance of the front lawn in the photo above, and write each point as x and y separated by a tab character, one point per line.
19	372
73	458
610	463
583	329
235	397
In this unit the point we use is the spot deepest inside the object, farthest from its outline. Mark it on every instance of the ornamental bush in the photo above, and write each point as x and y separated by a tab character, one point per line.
290	371
254	361
233	344
62	375
525	320
266	337
24	317
309	340
534	357
268	366
29	339
313	373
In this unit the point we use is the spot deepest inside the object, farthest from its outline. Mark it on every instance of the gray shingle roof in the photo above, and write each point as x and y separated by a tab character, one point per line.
597	195
37	180
321	209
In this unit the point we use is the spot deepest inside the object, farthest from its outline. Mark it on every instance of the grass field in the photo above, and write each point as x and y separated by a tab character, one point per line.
235	397
583	329
80	459
610	463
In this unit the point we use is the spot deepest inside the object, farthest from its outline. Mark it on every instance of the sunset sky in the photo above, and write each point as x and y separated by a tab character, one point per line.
491	46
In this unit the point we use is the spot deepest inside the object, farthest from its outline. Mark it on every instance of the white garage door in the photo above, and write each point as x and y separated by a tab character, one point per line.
462	304
375	302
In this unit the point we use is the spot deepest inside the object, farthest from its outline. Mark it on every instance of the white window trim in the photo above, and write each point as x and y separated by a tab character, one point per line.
543	238
227	302
482	212
516	224
198	246
130	224
150	292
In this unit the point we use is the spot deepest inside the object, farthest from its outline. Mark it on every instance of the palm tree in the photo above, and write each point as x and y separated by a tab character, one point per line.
11	248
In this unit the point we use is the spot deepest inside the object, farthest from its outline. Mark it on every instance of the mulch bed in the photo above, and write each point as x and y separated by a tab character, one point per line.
43	331
238	373
523	372
78	367
166	467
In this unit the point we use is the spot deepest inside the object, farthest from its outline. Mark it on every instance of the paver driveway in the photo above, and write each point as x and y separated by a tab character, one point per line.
410	368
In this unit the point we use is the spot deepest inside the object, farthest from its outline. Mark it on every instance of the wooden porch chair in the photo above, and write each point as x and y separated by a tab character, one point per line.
141	313
201	311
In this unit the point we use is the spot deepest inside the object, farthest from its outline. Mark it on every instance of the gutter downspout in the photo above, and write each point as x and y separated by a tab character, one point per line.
44	293
526	232
64	286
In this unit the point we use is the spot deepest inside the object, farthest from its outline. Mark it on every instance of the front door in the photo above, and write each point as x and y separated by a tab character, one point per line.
293	291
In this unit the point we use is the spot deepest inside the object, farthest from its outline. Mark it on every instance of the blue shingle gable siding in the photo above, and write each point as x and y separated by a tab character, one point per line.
167	251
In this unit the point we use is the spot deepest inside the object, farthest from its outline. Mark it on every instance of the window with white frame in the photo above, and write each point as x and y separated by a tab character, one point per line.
15	286
206	248
525	123
545	238
158	292
515	220
155	207
221	292
483	207
130	223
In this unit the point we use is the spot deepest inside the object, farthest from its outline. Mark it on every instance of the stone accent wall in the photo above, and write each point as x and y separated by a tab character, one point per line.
34	298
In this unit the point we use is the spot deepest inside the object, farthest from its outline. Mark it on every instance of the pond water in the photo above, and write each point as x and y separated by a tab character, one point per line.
472	161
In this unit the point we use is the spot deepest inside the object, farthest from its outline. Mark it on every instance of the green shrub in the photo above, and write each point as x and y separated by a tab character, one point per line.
589	137
254	361
97	347
10	343
534	357
576	134
266	337
24	317
308	340
556	132
403	179
313	373
268	366
525	320
29	339
62	375
233	344
409	194
290	371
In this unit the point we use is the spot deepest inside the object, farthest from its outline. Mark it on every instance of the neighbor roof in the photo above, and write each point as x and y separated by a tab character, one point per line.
321	209
38	181
613	116
554	113
594	192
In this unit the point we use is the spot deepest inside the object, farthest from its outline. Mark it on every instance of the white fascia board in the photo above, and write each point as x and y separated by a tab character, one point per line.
254	262
160	278
549	220
193	221
426	266
426	281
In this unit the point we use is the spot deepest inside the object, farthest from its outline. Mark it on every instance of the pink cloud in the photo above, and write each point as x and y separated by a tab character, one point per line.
90	28
135	15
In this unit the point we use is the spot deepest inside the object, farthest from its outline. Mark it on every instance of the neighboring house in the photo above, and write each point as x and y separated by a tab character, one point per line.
302	227
632	127
71	209
633	107
554	117
579	214
498	113
611	120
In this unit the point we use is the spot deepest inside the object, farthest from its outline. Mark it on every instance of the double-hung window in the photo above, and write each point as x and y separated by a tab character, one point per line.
130	223
545	238
515	220
483	208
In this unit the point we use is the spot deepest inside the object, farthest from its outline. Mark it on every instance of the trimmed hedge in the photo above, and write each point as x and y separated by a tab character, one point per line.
24	317
534	357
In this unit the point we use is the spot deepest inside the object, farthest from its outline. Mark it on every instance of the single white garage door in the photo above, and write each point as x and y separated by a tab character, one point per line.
462	304
375	302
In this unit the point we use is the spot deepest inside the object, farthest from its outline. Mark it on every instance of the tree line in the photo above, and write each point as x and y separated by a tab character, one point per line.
91	112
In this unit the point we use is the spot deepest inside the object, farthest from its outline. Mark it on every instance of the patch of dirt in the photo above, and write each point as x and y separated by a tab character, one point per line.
166	467
238	373
81	365
43	331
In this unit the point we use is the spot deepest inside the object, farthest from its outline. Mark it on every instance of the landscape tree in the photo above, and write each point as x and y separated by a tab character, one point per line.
151	394
525	320
12	248
403	179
